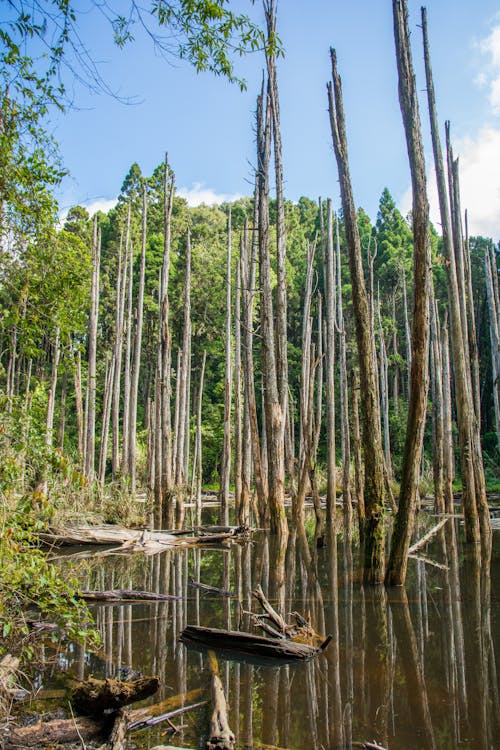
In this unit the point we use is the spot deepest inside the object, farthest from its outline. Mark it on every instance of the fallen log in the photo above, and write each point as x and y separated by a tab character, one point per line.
427	537
119	595
169	704
151	721
49	733
249	644
105	534
212	590
221	735
93	697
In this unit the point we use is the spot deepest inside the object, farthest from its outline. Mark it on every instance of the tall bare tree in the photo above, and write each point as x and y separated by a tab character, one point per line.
374	541
412	455
225	471
92	353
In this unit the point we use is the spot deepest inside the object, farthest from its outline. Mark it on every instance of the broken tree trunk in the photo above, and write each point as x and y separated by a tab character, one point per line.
403	525
225	470
374	540
221	735
246	643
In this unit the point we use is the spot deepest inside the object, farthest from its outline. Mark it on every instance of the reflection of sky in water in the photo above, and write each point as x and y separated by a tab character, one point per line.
408	672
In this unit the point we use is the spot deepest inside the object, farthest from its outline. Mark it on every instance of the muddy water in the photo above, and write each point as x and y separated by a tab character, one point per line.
408	671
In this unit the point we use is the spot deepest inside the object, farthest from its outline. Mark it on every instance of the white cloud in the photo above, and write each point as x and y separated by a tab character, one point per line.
479	160
100	205
198	194
490	75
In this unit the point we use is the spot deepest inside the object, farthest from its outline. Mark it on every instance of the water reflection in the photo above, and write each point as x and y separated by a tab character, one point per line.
413	669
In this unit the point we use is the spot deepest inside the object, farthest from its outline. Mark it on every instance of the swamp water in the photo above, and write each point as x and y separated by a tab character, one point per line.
406	670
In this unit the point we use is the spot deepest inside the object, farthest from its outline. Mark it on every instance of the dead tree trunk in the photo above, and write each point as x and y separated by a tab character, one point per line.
403	525
62	415
384	391
372	439
238	409
126	374
181	478
77	380
460	368
448	447
358	464
344	399
330	298
225	471
119	326
493	310
51	400
136	364
198	447
437	409
92	353
106	414
274	417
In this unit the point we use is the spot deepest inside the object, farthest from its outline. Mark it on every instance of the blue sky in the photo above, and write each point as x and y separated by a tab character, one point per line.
206	124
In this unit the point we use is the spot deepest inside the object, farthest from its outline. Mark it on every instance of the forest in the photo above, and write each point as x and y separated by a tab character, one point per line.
260	366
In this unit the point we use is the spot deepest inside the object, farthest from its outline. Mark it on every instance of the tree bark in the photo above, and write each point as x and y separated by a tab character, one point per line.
92	353
225	471
136	363
330	299
374	552
410	473
344	400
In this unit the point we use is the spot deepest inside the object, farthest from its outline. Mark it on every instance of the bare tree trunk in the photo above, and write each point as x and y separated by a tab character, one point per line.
92	352
251	442
119	327
127	370
274	416
384	392
407	329
372	440
62	415
471	321
330	299
395	381
136	364
437	409
197	458
460	368
493	310
238	411
405	517
183	386
51	400
344	400
358	465
447	421
228	381
77	379
106	414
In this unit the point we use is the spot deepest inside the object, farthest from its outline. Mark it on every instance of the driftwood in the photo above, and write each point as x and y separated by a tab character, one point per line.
151	721
249	644
300	631
221	735
133	540
118	595
93	697
423	541
211	590
49	733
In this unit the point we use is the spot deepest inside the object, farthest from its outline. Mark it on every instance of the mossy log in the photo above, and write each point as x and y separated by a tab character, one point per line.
93	697
50	733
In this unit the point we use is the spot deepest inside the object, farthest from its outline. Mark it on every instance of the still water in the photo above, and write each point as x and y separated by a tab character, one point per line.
409	671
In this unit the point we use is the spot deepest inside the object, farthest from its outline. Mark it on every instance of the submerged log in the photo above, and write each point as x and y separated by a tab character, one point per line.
93	697
210	589
423	541
221	735
118	595
249	644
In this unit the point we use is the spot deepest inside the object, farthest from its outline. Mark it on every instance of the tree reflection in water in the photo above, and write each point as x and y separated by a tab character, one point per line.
407	669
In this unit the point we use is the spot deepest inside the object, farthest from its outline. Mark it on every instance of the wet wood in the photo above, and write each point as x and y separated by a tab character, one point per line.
151	721
213	590
221	735
47	734
249	644
105	534
423	541
119	595
93	697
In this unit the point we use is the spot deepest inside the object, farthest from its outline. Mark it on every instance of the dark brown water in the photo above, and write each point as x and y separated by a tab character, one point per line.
406	670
